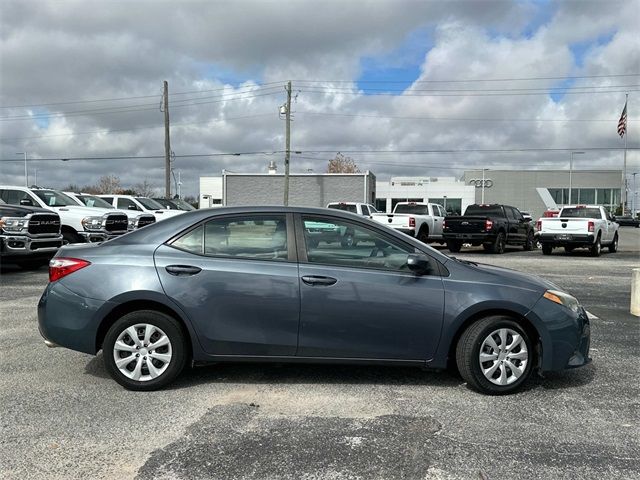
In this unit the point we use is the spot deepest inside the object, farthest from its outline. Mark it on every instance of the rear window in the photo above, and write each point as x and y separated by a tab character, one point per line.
580	213
343	206
484	210
412	209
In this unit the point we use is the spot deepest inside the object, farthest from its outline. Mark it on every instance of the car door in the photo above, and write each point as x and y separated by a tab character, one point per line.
610	229
522	226
126	204
438	217
361	301
236	277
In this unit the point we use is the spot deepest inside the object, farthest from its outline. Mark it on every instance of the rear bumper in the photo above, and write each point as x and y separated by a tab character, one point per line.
407	231
566	239
25	246
470	237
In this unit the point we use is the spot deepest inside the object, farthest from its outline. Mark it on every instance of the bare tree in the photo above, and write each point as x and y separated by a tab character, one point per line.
145	189
109	184
342	164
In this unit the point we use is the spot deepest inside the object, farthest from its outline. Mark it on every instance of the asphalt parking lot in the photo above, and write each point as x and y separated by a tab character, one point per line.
62	417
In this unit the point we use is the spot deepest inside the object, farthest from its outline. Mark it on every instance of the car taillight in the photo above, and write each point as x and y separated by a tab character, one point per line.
62	266
591	226
444	224
488	224
412	222
538	225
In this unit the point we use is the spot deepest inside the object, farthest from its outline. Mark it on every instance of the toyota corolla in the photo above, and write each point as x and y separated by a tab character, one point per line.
254	284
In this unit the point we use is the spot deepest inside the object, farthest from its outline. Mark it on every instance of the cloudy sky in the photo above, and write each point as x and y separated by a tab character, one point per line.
404	87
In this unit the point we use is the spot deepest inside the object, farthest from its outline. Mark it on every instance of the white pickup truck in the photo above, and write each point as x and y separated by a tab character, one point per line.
364	209
136	219
78	224
420	220
579	226
140	205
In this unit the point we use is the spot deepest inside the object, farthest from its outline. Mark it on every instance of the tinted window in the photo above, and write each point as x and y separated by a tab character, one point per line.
108	199
510	213
484	210
52	198
365	210
413	209
344	207
91	201
191	242
13	197
255	237
337	242
125	203
580	213
149	203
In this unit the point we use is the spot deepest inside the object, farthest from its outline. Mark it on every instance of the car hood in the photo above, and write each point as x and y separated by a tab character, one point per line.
88	211
506	276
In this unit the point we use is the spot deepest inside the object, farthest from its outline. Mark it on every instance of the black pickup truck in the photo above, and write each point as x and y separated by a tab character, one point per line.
29	236
492	226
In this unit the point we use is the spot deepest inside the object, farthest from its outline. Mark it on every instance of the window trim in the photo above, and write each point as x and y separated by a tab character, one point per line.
291	244
302	248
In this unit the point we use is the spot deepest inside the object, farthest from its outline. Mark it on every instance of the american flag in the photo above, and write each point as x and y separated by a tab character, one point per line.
622	123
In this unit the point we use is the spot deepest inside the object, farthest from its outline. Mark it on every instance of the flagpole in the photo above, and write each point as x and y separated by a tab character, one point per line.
624	167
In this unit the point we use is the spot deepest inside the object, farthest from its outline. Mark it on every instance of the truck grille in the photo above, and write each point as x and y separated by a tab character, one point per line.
116	223
146	220
41	224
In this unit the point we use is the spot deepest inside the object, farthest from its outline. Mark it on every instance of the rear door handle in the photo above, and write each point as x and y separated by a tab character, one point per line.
317	280
182	270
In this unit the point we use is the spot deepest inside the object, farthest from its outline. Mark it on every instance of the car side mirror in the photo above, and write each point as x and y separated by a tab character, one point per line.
613	218
419	264
26	202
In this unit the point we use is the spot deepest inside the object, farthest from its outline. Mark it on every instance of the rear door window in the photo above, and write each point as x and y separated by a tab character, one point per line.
580	213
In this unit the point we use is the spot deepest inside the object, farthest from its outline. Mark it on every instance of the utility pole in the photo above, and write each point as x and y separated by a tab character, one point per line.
167	142
287	154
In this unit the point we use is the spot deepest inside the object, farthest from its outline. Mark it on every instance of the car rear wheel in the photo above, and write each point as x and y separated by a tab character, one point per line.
71	237
568	249
498	244
423	235
529	243
145	350
613	248
495	355
546	249
454	246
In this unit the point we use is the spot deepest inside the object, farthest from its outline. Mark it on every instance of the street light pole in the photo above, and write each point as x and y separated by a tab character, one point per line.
571	174
634	197
26	174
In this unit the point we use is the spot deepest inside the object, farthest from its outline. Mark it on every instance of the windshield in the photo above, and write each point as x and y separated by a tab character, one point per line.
150	204
91	201
183	205
344	207
483	210
51	198
580	213
413	209
164	202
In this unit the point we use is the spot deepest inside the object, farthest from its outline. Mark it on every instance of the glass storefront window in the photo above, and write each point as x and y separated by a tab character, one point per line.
588	196
453	207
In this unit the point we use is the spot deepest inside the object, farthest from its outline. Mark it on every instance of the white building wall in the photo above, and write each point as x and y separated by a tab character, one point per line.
210	192
423	189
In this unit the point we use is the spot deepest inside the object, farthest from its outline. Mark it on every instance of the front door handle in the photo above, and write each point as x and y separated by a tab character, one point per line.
317	280
182	270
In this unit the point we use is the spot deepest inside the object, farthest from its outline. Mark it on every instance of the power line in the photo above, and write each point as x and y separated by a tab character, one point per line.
404	94
560	89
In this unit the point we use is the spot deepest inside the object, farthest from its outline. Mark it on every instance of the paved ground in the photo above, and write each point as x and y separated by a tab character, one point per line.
62	417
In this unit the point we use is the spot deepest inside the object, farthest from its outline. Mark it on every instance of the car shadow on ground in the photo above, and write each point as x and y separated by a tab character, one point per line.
291	374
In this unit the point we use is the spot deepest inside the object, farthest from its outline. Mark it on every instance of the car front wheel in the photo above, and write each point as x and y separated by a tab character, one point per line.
495	355
145	350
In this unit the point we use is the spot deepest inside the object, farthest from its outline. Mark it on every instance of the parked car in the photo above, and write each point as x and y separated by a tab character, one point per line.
136	220
492	226
627	221
140	204
420	220
29	236
175	204
579	226
364	209
79	224
244	283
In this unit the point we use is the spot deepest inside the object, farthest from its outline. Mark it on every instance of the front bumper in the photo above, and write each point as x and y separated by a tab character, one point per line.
24	245
566	239
99	236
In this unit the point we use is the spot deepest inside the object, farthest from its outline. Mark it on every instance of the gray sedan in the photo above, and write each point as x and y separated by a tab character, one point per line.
251	284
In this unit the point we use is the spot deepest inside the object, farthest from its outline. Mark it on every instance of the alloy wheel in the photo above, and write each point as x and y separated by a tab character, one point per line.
503	356
142	352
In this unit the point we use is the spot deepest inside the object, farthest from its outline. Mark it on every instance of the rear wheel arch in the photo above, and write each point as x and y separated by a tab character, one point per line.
525	323
138	305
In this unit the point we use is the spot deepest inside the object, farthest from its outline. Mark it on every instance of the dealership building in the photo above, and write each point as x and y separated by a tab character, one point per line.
529	190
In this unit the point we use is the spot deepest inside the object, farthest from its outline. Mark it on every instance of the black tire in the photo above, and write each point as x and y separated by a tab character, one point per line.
613	248
498	244
71	237
468	355
546	249
423	235
568	249
173	330
530	242
596	248
454	246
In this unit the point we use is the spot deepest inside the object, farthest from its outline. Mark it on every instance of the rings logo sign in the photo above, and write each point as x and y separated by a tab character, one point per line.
488	183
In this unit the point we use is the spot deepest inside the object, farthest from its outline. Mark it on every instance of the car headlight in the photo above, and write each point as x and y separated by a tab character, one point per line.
92	223
562	298
132	224
13	224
